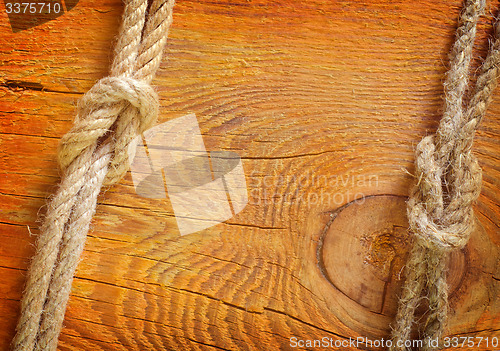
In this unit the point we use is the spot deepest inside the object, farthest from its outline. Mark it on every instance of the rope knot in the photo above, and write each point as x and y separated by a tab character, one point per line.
440	206
118	108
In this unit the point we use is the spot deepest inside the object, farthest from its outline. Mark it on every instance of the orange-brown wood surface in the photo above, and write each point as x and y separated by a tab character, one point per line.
324	101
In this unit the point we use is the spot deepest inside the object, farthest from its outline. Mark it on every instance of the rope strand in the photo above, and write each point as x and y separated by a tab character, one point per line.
449	182
92	154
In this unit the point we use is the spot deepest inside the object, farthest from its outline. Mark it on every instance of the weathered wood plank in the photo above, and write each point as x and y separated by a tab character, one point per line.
324	101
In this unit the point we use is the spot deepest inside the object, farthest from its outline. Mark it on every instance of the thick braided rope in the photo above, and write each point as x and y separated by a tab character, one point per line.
93	153
448	183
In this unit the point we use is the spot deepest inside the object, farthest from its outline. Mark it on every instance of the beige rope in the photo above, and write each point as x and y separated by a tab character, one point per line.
448	183
93	153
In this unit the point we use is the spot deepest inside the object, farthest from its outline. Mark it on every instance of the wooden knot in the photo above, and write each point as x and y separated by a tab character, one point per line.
126	105
364	250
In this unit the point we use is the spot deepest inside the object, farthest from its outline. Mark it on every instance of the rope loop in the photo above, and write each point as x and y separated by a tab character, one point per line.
111	107
440	213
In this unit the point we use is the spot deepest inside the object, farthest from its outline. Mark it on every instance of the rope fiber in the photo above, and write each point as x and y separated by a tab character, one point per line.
449	181
91	155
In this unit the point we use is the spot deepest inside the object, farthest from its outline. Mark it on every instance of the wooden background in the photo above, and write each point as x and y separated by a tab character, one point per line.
324	101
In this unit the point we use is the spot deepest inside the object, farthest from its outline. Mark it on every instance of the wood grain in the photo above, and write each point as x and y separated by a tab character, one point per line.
323	100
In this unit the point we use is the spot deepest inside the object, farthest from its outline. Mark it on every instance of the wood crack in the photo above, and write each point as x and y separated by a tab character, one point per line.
20	85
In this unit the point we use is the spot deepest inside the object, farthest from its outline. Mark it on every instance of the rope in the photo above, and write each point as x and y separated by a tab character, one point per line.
449	180
91	155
